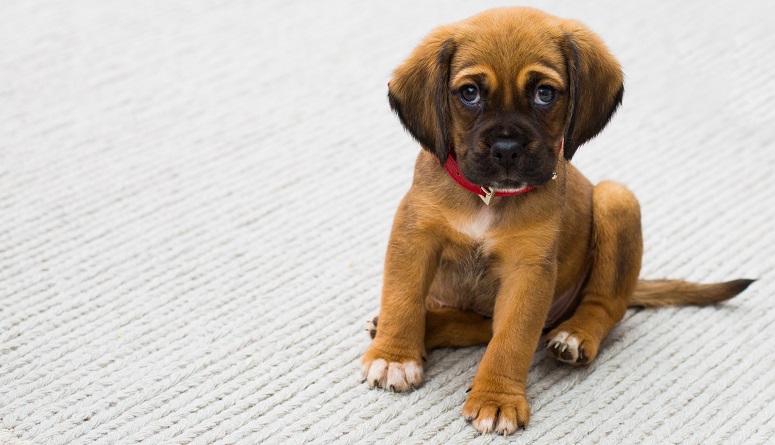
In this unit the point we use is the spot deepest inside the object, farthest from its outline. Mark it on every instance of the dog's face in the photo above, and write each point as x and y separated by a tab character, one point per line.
502	89
507	104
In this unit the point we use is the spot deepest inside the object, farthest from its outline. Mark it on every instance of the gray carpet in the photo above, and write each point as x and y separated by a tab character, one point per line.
196	199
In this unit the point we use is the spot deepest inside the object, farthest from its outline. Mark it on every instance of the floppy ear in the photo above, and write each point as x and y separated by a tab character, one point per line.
419	92
596	85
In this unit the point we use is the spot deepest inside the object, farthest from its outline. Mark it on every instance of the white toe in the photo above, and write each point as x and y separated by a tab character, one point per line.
376	374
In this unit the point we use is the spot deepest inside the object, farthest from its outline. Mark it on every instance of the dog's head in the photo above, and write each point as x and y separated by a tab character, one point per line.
502	89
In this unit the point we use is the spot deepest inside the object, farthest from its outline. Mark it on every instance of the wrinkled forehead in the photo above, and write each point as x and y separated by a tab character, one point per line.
508	54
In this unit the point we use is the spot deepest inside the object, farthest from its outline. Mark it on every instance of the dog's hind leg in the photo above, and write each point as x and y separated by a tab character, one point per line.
616	259
448	327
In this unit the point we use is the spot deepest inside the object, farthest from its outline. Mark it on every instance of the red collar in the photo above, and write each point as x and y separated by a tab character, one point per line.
484	192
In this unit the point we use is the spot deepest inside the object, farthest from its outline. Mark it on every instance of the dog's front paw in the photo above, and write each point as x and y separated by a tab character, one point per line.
500	412
397	372
393	376
571	346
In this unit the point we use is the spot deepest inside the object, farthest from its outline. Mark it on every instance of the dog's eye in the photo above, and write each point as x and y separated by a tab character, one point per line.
544	95
469	94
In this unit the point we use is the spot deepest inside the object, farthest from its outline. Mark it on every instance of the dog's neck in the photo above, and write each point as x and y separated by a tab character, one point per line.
483	192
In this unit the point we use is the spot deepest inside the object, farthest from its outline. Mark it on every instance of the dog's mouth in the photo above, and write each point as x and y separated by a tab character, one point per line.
507	185
504	181
479	168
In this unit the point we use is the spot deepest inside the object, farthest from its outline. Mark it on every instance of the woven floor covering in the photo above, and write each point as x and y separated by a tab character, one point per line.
196	197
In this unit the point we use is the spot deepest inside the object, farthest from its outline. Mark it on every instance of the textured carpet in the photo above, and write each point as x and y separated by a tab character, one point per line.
195	200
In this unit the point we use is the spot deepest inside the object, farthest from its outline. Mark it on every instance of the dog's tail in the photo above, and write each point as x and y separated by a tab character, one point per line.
682	293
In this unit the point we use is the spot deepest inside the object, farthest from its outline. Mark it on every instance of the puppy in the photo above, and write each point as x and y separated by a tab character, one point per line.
500	238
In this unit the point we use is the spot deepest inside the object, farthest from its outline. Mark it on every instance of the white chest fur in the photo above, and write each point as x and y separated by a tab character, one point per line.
476	227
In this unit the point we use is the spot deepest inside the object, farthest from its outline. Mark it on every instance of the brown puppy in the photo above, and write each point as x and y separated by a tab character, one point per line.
509	95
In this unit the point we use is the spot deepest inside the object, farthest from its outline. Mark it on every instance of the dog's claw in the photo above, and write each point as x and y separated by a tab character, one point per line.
372	327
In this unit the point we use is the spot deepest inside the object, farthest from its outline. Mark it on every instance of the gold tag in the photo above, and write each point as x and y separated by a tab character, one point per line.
488	194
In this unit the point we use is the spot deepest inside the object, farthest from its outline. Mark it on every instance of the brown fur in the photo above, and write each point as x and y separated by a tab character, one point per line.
453	262
682	293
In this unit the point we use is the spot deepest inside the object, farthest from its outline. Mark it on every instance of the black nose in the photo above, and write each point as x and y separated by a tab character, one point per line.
506	151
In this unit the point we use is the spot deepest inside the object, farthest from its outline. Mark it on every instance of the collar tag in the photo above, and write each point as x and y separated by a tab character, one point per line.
488	194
